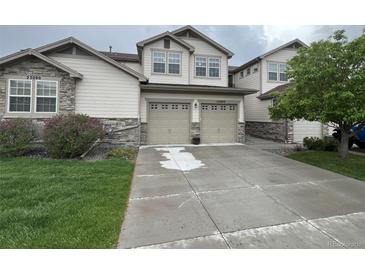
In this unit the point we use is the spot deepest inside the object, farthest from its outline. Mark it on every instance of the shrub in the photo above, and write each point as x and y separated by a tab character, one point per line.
330	143
325	144
313	143
16	136
126	153
69	136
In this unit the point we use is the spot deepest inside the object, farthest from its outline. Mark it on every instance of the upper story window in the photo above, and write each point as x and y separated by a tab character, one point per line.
214	67
46	96
248	71
166	62
241	73
159	62
201	66
277	72
20	95
174	62
255	68
207	67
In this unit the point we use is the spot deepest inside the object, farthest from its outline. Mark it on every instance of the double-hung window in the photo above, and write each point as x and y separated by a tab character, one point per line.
20	95
214	67
207	67
159	62
282	73
174	61
201	66
46	96
277	72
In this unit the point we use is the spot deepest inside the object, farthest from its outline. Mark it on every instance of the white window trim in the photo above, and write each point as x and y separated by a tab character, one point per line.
242	74
166	52
168	62
255	67
277	72
153	61
30	96
36	96
219	68
206	66
207	57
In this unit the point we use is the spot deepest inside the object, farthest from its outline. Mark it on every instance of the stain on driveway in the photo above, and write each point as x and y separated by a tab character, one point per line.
239	196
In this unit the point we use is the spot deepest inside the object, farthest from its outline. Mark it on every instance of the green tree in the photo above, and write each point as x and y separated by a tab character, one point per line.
328	85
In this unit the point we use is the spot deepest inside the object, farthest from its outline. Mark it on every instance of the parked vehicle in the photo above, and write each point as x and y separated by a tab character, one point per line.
357	138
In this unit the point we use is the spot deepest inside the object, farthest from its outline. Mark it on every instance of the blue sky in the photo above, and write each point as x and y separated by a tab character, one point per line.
246	42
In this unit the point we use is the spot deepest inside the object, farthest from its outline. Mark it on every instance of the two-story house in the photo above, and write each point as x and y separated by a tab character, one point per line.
175	88
267	74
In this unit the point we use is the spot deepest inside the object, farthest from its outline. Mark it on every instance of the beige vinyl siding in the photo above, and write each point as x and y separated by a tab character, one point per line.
256	109
182	79
104	91
194	98
250	81
204	48
281	56
133	65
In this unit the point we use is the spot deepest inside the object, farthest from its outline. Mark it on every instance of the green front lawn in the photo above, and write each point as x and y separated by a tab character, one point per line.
62	203
354	166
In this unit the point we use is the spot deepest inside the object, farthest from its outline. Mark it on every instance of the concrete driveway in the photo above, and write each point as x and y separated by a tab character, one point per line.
239	196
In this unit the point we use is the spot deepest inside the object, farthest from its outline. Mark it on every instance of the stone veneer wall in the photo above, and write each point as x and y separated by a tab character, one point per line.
124	131
194	129
34	66
277	131
143	134
241	133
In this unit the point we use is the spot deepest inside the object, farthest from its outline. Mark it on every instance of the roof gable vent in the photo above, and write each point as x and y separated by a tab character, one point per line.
166	43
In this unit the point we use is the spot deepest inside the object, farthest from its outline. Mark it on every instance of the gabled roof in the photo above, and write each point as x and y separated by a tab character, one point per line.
32	52
205	38
141	44
72	40
121	56
269	94
260	57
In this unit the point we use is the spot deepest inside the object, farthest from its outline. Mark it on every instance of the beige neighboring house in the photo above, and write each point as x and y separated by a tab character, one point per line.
174	89
267	74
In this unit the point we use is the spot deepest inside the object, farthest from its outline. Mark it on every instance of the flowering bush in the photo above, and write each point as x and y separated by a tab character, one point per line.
16	136
69	136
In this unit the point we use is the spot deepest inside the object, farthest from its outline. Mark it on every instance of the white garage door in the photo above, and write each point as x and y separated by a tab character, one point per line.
218	123
303	128
169	123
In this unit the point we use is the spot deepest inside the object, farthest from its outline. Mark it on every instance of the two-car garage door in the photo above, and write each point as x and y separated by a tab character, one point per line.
169	123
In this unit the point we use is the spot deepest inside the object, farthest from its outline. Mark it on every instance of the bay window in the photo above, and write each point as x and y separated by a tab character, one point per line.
46	96
20	95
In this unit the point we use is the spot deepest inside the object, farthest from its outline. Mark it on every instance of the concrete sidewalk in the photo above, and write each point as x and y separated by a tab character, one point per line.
239	196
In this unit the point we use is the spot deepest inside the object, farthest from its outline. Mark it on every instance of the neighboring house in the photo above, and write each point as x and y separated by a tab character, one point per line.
267	74
174	89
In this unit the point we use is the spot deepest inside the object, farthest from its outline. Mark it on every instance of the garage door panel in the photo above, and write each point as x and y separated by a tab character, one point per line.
169	123
218	123
303	128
